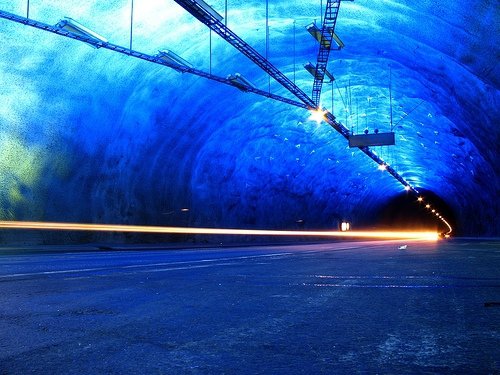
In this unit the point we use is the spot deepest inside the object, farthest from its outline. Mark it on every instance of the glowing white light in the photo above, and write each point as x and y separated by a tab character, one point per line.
429	236
345	226
317	115
427	206
407	187
382	167
420	199
433	211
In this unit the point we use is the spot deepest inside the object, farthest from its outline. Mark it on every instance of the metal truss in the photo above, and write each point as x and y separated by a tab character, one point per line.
325	43
214	24
154	59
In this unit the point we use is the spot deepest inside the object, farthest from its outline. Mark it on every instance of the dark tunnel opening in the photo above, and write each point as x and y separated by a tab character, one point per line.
406	211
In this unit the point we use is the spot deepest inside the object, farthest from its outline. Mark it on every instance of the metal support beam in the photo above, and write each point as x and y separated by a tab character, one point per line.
232	38
154	59
325	44
203	15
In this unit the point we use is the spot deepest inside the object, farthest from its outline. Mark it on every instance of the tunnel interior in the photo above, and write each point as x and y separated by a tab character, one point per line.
406	211
92	136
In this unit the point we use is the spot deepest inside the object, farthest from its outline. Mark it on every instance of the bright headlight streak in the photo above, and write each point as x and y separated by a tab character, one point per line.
430	236
450	229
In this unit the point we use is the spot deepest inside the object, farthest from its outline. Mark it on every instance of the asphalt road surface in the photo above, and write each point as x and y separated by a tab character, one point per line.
341	308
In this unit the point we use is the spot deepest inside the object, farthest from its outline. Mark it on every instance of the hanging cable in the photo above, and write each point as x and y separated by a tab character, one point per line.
357	115
350	98
341	97
267	41
414	108
131	21
333	112
390	92
28	10
294	52
348	109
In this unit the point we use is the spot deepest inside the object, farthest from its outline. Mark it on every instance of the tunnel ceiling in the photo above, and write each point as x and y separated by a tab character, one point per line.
91	135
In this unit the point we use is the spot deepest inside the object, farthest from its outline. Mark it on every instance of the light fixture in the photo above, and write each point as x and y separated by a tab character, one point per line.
317	34
337	40
172	58
208	9
420	199
382	167
240	82
70	25
427	206
433	211
407	187
312	70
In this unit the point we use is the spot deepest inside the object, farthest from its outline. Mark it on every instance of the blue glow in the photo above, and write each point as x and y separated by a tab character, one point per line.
120	140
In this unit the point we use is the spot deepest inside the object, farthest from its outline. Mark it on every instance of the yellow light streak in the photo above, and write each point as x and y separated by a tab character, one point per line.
420	235
450	229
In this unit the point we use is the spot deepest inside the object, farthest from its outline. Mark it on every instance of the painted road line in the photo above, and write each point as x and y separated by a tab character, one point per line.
42	273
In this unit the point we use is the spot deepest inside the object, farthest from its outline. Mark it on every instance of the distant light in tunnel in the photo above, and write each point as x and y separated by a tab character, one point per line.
420	199
345	226
416	235
427	206
433	211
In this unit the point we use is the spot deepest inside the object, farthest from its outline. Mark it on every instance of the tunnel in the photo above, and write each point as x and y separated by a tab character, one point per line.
249	187
405	211
89	135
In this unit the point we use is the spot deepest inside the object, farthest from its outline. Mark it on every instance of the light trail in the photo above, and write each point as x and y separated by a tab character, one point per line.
450	229
418	235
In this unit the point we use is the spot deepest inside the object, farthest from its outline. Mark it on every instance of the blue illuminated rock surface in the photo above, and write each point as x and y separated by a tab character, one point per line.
93	136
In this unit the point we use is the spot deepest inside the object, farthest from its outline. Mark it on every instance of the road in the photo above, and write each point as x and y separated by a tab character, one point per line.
339	307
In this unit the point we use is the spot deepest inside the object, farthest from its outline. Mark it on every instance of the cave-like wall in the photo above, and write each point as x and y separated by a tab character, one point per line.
89	135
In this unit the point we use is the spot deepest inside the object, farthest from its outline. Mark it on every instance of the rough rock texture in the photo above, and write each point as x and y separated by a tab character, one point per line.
93	136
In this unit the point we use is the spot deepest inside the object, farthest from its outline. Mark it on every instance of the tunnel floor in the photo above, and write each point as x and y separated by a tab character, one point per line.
363	307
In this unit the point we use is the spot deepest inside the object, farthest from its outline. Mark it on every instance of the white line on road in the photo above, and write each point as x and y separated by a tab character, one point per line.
139	265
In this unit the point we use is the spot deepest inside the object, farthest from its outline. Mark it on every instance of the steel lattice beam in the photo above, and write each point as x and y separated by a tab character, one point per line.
325	43
233	39
142	56
206	17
